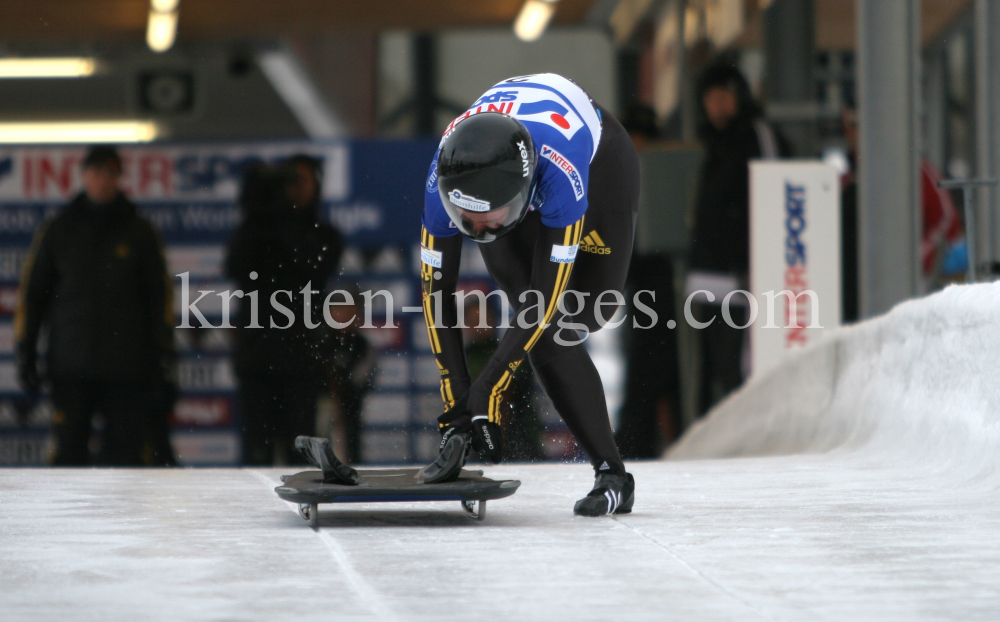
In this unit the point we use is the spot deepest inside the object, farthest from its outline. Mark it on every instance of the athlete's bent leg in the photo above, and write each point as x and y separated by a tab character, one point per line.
574	386
571	381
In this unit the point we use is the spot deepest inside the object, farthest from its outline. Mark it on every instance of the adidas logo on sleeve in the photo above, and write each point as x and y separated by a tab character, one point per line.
592	243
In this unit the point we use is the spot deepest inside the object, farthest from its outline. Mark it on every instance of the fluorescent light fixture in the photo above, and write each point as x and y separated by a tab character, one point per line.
78	132
533	18
46	67
161	30
164	6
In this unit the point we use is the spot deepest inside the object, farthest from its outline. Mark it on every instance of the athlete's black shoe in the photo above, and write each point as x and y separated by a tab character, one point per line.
612	494
317	451
448	465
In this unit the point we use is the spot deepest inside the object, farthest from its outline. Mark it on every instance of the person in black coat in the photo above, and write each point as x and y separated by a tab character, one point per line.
96	278
280	247
733	133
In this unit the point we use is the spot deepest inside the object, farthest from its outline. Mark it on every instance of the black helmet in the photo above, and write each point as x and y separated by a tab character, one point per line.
486	165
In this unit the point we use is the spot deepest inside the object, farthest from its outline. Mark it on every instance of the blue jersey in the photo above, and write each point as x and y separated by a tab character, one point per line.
566	129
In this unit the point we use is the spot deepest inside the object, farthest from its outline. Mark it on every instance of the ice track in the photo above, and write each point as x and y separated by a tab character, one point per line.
884	506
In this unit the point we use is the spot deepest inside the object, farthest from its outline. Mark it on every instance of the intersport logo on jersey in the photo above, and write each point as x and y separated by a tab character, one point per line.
567	168
526	104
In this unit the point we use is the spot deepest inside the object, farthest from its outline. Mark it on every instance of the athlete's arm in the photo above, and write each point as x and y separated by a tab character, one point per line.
552	263
440	258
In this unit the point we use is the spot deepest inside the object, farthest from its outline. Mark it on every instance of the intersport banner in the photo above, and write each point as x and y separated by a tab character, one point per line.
795	257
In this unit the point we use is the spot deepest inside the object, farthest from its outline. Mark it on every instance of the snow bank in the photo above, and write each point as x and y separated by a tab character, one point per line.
920	384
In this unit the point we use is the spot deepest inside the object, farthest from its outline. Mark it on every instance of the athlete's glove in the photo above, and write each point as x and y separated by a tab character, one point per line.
487	438
455	419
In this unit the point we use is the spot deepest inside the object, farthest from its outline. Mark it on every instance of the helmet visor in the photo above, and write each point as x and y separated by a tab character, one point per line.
486	226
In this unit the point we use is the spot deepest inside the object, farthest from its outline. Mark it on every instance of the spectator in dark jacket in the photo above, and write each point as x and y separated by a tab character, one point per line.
733	133
96	278
280	247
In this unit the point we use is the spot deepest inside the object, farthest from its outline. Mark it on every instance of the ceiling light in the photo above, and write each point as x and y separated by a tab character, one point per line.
46	67
58	132
164	6
533	18
161	31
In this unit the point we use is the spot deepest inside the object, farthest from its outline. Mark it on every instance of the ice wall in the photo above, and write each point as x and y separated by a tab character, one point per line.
919	384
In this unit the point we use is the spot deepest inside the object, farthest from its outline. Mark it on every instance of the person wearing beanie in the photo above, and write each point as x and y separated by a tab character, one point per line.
733	133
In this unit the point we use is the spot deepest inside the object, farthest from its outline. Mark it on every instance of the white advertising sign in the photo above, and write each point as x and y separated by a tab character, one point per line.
794	257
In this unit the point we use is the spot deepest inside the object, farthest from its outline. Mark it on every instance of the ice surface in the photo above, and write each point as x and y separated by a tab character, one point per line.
886	509
803	538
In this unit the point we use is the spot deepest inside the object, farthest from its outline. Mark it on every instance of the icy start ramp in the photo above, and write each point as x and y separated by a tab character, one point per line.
752	540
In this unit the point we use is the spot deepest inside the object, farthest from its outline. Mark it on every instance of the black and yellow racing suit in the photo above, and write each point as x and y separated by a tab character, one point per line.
521	261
